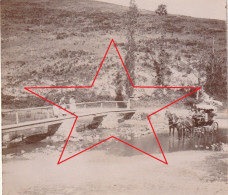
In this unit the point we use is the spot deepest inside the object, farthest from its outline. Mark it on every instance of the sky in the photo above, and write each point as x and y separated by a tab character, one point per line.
213	9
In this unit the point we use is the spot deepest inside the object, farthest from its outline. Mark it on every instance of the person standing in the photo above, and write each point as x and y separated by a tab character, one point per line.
72	104
62	103
56	110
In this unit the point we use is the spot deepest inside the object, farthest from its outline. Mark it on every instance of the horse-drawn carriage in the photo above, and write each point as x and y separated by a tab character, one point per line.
204	120
199	122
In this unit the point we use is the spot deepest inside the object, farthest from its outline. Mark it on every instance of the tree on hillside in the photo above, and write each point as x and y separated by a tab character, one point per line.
119	90
161	10
211	73
160	67
162	58
216	76
198	68
132	16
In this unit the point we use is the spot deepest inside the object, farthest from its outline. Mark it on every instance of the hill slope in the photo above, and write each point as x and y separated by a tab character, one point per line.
61	43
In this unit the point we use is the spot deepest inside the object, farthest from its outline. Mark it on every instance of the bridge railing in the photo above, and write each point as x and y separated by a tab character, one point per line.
16	116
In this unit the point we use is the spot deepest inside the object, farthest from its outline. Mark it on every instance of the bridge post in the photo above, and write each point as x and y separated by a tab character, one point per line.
129	103
17	118
48	114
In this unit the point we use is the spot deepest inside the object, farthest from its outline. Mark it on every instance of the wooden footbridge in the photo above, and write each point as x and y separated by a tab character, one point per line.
44	121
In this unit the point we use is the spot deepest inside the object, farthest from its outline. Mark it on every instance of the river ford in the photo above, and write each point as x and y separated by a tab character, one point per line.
115	168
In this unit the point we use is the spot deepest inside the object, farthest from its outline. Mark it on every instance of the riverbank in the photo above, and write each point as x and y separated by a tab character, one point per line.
101	172
113	167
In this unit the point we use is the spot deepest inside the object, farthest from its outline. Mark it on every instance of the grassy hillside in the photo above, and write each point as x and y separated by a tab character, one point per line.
62	42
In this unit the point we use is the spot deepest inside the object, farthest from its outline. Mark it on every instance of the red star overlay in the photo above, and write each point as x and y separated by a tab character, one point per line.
135	86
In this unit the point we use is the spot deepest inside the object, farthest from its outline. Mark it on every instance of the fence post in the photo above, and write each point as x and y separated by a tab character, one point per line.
129	103
48	113
101	105
84	105
17	118
116	104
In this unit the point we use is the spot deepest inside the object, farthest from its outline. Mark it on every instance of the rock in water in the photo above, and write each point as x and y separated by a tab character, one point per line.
65	129
110	121
6	138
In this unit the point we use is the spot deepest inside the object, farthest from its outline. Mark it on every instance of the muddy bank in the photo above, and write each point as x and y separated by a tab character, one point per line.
101	172
113	167
136	131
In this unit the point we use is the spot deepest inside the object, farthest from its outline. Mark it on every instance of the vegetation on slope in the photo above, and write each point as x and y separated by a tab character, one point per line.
61	43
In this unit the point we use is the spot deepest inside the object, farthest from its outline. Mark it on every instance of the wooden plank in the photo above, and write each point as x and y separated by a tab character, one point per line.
32	126
47	107
22	126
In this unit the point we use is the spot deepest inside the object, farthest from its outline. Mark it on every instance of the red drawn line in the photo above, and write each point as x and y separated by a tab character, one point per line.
165	87
26	88
102	62
123	64
141	150
83	150
67	139
112	41
157	140
67	87
174	102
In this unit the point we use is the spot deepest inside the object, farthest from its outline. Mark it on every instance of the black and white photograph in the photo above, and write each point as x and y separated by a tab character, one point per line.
114	97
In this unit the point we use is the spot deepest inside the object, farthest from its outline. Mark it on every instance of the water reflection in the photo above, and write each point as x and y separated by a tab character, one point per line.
147	143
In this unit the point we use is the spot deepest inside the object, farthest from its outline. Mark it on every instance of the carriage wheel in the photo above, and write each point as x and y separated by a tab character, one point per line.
195	133
215	127
188	133
180	133
215	131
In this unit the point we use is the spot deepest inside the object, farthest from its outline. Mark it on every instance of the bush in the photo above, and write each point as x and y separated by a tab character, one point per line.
61	36
161	10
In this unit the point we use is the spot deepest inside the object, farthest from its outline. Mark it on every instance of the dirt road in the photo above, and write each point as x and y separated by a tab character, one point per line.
99	172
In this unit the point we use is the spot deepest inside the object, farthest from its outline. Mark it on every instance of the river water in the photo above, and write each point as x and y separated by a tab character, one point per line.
146	142
116	168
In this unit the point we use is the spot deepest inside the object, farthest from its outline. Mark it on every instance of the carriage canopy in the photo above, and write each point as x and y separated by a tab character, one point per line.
206	107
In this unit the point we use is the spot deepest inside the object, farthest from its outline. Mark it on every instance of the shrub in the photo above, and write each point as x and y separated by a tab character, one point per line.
161	10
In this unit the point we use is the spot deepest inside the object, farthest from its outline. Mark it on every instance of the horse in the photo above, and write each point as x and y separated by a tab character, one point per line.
185	126
182	125
173	121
